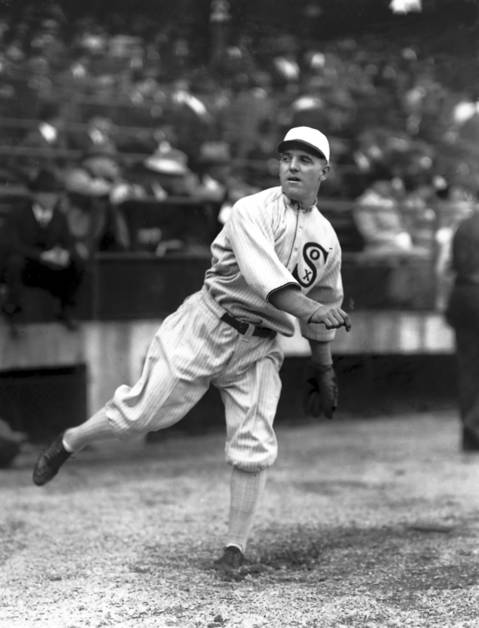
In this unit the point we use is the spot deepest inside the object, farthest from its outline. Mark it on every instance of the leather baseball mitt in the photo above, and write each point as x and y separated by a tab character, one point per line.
321	393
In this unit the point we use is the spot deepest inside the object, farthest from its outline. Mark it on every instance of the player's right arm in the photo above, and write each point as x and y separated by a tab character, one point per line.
291	300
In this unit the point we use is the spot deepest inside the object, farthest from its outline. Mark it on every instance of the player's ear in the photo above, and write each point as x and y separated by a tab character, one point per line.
325	171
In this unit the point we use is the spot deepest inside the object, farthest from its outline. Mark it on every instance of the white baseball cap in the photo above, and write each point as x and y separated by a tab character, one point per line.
312	138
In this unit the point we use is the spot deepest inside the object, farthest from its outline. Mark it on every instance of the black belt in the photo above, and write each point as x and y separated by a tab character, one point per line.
262	332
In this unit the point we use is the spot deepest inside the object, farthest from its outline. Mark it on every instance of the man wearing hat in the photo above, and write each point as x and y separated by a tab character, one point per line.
164	174
94	221
276	257
41	251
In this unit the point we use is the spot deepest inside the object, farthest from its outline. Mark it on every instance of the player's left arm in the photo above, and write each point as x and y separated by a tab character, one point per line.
321	394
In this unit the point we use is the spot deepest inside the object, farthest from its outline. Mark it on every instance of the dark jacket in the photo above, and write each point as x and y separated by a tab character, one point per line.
463	307
30	239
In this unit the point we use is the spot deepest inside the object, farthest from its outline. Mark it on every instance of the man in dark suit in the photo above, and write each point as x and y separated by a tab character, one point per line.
462	313
41	251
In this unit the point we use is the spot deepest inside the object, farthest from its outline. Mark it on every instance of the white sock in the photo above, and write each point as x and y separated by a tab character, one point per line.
246	491
95	428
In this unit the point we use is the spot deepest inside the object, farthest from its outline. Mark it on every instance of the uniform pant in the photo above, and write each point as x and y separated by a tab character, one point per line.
192	350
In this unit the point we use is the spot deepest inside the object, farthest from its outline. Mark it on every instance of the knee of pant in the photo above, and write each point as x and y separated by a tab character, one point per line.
251	463
252	451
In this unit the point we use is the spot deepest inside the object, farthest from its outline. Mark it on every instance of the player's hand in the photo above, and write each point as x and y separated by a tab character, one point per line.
331	317
321	393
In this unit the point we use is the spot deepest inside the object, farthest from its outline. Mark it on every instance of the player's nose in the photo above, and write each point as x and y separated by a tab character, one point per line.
294	164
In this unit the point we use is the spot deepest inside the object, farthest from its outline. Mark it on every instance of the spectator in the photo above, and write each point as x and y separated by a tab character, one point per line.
219	181
110	169
165	173
214	171
382	225
384	229
453	205
462	313
103	164
96	224
219	185
41	252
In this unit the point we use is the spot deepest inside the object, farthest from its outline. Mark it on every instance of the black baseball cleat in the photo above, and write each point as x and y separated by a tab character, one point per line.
231	560
50	461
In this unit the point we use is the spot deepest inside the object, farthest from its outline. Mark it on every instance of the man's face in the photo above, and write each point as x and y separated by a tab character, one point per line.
301	174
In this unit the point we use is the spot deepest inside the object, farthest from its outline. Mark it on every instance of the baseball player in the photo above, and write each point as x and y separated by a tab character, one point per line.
277	257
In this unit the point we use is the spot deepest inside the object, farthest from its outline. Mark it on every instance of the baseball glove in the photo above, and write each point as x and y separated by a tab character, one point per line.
321	393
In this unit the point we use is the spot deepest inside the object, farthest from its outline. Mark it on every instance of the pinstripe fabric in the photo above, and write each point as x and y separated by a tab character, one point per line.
192	349
267	243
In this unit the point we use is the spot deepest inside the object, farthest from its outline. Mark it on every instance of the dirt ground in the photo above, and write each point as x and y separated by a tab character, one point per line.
365	523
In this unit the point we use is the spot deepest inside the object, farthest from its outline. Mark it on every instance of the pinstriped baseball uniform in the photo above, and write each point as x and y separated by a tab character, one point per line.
268	242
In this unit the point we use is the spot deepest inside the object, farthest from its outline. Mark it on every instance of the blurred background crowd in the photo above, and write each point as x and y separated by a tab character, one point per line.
155	100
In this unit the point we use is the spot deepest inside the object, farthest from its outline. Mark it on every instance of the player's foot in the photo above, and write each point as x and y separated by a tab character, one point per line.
50	461
231	560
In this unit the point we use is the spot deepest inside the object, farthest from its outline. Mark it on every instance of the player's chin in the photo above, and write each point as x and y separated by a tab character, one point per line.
293	190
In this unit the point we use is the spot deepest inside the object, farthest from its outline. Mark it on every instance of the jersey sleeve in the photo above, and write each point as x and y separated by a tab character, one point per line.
250	231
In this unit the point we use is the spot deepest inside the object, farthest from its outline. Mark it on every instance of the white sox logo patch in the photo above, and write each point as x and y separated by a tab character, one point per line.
306	271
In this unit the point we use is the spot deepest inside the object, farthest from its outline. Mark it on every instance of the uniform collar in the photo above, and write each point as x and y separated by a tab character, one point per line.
296	205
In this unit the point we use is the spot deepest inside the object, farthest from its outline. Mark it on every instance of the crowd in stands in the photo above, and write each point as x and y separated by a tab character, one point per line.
121	108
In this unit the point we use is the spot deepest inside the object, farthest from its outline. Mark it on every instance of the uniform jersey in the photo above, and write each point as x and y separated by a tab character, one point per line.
269	242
